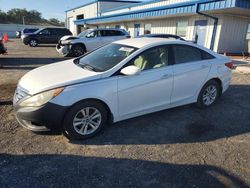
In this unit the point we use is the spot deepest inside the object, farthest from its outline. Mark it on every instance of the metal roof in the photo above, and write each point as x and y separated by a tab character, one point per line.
189	7
95	1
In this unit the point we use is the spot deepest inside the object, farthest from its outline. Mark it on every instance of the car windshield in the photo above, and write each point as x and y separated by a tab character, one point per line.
36	32
82	34
105	57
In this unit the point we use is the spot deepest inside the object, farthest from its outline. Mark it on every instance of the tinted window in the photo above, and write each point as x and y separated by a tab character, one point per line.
152	58
206	55
109	33
184	54
29	30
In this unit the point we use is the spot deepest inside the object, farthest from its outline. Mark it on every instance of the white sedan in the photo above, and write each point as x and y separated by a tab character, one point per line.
124	79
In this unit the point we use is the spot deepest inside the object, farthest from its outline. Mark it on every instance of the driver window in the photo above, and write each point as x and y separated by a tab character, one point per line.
93	34
152	59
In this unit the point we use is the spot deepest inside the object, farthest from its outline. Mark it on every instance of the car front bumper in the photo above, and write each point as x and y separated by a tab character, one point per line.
47	117
63	49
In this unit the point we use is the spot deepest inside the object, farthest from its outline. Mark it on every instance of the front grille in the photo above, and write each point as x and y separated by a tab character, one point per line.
20	94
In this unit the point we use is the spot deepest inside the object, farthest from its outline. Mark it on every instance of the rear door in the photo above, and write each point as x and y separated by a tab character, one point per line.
55	35
191	69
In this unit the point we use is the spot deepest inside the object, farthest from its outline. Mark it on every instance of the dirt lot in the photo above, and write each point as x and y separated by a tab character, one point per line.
180	147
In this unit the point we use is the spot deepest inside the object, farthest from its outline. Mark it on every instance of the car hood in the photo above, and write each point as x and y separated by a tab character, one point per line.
55	75
68	37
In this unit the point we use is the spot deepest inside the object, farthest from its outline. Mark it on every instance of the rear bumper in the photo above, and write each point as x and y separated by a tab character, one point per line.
48	117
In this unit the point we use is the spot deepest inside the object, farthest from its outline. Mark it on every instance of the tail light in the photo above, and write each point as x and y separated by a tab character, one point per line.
230	65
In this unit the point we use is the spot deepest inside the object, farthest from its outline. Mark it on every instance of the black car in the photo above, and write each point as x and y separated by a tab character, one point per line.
167	36
45	36
2	48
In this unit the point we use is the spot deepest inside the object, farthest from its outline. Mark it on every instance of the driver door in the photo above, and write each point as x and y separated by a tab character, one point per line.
151	89
93	40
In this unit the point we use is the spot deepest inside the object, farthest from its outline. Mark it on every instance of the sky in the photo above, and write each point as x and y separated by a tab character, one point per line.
48	8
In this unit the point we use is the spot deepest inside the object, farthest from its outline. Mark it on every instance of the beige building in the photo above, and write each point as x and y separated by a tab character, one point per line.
90	10
220	25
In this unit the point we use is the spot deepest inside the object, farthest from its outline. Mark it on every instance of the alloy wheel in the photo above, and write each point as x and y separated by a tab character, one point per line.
87	120
33	43
209	95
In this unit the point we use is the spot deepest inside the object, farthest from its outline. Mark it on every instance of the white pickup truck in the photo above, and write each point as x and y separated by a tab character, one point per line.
89	40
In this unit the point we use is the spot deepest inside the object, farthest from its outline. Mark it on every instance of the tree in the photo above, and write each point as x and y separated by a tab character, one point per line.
3	17
17	15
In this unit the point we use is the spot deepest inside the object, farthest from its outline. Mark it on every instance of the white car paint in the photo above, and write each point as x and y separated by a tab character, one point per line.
90	43
130	96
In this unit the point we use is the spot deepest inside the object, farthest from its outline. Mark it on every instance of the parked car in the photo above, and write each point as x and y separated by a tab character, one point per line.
45	36
28	31
167	36
89	40
3	50
18	34
121	80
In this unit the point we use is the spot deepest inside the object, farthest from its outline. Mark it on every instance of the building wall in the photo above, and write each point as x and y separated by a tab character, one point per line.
233	34
169	26
89	11
139	7
104	6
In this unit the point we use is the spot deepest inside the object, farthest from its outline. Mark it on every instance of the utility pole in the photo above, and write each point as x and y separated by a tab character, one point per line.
23	20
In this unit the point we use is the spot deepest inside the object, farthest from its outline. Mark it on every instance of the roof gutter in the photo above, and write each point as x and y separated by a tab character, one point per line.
215	24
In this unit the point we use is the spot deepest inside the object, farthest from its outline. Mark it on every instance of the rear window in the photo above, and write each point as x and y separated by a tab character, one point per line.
185	54
112	33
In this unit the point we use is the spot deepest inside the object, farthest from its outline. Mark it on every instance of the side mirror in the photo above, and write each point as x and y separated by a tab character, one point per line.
130	70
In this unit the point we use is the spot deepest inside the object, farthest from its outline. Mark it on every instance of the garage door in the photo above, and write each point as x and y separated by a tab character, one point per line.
71	25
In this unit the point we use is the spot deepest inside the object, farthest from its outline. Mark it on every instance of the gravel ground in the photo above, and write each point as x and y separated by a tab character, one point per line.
180	147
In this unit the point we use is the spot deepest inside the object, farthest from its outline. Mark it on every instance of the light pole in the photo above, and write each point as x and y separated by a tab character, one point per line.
23	20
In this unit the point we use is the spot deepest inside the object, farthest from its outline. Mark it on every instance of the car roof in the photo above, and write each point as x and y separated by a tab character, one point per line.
141	42
117	29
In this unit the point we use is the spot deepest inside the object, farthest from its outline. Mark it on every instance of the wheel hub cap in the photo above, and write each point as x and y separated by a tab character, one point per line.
209	95
87	120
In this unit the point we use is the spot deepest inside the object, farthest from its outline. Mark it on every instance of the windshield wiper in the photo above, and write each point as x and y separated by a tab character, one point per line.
88	67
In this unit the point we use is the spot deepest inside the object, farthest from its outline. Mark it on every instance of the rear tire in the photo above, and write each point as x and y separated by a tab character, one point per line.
85	120
33	43
209	94
78	50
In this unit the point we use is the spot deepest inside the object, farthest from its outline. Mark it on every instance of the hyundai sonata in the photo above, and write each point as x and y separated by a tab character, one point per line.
124	79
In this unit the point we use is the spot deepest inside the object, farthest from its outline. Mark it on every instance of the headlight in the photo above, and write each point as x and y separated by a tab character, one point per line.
41	98
65	42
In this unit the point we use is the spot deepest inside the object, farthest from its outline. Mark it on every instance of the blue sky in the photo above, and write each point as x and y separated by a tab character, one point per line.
48	8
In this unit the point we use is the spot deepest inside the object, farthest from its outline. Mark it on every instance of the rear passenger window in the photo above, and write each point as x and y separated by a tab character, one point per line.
185	54
109	33
206	55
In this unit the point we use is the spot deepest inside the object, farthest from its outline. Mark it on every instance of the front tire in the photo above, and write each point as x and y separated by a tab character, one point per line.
85	120
209	94
33	43
78	50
